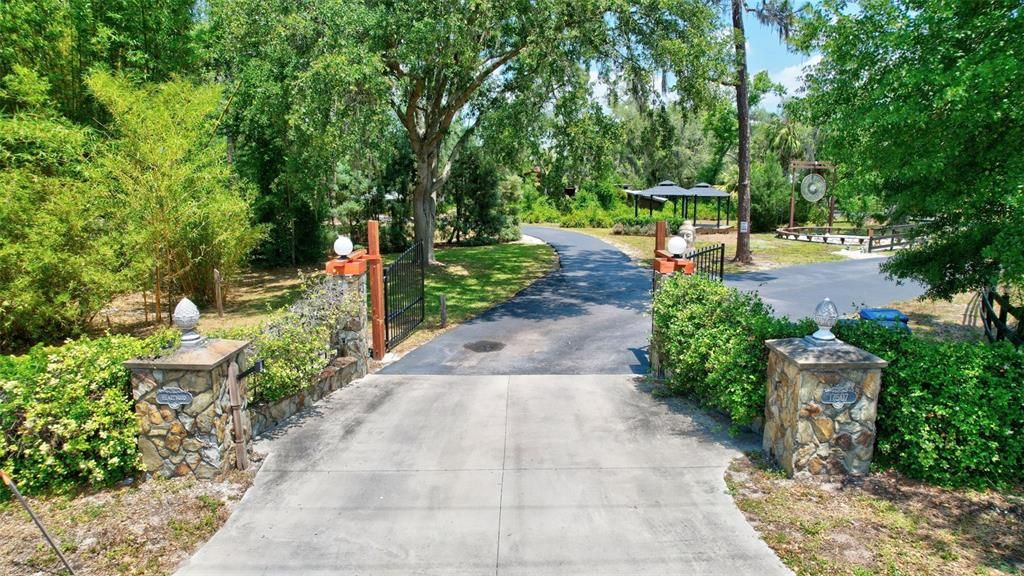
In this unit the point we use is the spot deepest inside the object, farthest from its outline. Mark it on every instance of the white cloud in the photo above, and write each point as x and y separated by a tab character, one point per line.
792	79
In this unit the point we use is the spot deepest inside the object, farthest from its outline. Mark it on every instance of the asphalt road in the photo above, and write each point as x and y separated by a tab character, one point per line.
587	317
851	284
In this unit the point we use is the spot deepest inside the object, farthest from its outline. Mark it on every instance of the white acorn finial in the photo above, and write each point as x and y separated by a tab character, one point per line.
186	318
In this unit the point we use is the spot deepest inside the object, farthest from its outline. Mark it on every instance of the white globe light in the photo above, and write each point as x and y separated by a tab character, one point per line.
677	246
343	246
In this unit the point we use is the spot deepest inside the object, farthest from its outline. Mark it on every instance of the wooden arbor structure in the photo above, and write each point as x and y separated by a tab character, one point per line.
813	167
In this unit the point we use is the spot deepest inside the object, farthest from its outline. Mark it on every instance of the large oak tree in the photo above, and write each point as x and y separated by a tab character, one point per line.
446	65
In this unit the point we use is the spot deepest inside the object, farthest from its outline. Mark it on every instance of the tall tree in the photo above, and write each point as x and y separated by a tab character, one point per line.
446	60
62	39
779	15
920	103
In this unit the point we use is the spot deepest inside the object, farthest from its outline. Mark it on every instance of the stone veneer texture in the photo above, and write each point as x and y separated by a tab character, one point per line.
809	437
194	438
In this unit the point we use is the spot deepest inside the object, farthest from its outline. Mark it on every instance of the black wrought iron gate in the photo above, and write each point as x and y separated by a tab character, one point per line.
404	304
709	261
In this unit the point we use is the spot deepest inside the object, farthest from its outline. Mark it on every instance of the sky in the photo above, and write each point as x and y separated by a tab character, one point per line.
766	52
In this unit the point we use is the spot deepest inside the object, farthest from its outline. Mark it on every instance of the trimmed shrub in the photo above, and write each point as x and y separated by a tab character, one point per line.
711	339
66	416
950	413
296	343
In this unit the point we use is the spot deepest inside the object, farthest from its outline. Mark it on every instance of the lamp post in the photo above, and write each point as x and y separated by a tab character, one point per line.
677	246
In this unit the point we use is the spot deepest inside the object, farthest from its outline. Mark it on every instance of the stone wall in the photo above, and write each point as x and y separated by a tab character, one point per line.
820	407
340	372
182	400
194	437
349	338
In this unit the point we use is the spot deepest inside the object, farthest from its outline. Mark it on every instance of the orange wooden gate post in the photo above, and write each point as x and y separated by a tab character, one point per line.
376	287
659	236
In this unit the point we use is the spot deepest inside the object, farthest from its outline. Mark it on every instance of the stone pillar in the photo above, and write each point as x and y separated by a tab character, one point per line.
184	409
349	337
820	405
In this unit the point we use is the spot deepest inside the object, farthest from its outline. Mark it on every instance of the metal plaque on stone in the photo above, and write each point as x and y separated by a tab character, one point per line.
173	396
839	396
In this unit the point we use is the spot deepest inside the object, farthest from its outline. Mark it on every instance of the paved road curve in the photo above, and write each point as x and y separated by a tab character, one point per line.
587	317
796	290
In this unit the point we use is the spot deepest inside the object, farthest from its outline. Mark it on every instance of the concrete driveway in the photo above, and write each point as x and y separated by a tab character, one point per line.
586	317
402	474
795	291
462	461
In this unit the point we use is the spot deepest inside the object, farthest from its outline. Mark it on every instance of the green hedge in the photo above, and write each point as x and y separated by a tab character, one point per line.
66	416
711	338
949	413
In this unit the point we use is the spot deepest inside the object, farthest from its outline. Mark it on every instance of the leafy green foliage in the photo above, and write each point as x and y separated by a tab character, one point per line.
920	103
711	339
58	266
183	213
297	343
950	412
62	40
66	416
480	214
769	196
301	122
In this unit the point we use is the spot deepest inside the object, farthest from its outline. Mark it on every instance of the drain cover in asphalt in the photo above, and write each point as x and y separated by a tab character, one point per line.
484	346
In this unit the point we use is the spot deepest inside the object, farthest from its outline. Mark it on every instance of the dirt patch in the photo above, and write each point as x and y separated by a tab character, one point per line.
248	298
144	529
884	524
957	320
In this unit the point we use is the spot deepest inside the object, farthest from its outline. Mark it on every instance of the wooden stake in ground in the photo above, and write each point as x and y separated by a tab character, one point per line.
9	482
444	311
217	279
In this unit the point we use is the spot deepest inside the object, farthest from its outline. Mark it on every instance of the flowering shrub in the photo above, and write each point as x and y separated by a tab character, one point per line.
66	416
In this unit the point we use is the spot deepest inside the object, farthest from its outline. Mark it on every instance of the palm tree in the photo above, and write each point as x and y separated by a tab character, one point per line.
779	15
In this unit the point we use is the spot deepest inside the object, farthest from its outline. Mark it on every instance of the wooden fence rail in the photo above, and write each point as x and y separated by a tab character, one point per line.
996	314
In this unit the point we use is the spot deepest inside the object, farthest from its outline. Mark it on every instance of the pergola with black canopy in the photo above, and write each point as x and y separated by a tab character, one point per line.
642	200
670	190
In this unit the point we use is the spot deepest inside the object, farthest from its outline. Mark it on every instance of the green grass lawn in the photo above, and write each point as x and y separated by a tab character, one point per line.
476	278
769	251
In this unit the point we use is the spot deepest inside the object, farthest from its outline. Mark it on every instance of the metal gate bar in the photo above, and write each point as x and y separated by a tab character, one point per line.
404	302
709	262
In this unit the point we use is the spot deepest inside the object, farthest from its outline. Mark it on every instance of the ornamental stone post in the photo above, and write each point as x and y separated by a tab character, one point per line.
820	406
183	404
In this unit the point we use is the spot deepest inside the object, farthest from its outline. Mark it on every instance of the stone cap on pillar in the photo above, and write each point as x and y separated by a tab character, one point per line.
205	357
808	352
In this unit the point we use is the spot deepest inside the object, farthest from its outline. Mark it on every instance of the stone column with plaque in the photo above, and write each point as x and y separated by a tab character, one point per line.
820	405
183	404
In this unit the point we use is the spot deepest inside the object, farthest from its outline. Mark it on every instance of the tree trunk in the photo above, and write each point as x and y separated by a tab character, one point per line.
424	203
743	121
